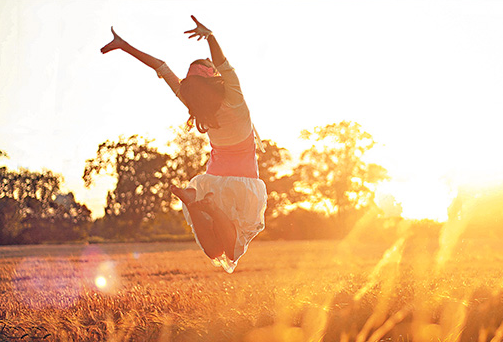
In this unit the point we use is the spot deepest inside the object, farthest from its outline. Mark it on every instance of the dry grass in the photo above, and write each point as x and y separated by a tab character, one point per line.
281	291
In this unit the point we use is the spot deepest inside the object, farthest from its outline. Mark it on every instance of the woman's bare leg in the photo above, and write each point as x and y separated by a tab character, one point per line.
203	225
119	43
205	230
224	229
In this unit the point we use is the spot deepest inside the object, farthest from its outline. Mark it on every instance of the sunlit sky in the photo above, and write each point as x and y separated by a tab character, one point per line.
425	78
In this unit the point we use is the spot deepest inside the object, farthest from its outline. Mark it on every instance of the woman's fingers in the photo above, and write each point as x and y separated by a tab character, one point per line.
195	20
195	34
200	30
199	25
116	43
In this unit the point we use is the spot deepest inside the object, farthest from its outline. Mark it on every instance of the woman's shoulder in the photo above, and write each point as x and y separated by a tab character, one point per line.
224	67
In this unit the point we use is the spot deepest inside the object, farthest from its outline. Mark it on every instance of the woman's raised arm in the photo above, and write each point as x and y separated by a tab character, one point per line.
158	65
119	43
201	31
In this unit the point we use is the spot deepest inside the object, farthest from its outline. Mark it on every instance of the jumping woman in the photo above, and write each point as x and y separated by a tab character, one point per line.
225	206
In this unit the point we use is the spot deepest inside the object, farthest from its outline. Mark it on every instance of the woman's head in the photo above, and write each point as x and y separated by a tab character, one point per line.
203	93
202	67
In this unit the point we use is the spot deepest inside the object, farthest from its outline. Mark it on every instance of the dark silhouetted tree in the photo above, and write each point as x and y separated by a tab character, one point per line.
142	175
30	212
11	221
141	203
24	184
72	220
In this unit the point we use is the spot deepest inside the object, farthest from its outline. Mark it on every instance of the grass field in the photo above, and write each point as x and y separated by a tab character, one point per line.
280	291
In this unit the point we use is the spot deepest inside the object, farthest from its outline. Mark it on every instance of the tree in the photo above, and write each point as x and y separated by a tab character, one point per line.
24	184
332	173
188	157
72	220
278	178
141	201
30	211
10	221
142	177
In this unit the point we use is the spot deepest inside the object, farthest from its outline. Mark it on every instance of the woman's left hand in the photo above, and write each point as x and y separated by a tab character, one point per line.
200	30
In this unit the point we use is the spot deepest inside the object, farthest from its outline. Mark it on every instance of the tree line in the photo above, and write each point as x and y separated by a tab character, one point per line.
321	196
33	209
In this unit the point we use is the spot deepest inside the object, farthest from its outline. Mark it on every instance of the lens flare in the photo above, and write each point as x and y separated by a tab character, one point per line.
101	282
106	279
476	214
98	271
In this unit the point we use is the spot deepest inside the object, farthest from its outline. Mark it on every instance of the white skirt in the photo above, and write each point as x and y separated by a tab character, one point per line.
243	200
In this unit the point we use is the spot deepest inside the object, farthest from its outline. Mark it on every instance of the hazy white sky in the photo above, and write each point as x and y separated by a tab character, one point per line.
425	78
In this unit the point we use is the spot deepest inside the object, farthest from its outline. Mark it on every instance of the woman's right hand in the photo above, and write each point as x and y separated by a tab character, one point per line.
200	30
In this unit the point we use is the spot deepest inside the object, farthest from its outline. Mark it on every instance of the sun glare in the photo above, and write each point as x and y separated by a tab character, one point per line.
100	282
420	199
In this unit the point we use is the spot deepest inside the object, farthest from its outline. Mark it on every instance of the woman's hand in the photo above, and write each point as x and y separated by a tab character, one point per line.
116	43
200	30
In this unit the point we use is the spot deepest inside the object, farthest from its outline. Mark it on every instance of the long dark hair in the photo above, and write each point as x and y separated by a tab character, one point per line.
203	96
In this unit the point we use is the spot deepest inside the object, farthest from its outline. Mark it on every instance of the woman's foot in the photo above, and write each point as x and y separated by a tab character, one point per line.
209	200
116	43
207	204
187	196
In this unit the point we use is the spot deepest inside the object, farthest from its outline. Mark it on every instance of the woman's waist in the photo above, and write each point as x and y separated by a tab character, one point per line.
233	164
233	157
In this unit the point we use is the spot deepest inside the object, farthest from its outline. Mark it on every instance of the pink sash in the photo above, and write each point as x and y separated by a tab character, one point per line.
237	160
